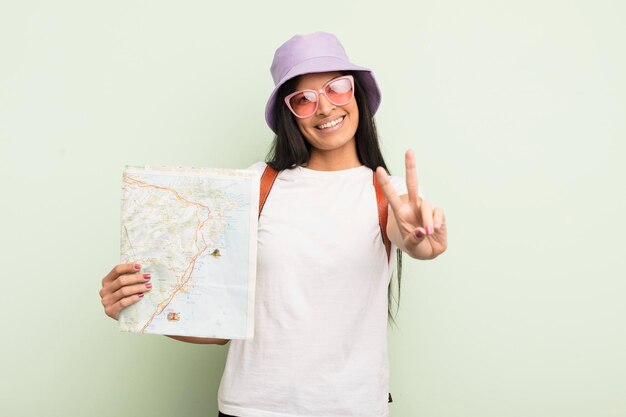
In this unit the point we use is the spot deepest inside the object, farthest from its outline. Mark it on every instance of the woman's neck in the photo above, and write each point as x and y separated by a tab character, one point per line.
334	159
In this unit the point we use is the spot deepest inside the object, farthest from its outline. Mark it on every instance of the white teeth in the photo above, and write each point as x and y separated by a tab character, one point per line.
330	124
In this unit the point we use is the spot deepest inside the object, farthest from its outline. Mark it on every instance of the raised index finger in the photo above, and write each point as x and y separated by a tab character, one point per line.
411	177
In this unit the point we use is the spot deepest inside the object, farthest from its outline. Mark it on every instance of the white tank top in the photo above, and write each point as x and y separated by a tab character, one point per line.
320	336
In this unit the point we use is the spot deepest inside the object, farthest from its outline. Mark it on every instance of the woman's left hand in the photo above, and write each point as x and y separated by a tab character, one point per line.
418	229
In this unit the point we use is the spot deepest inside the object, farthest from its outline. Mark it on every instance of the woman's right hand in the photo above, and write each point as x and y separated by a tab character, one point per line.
123	286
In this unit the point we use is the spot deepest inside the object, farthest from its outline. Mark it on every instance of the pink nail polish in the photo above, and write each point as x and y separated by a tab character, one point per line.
429	230
419	234
140	295
148	285
137	267
146	276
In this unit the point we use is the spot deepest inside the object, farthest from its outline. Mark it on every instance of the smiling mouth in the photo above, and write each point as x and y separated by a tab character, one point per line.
330	124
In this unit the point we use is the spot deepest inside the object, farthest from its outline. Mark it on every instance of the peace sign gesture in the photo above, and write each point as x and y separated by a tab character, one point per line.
414	226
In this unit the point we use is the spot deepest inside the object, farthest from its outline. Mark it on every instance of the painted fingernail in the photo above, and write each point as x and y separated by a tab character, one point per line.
429	230
146	276
148	285
419	234
137	267
140	295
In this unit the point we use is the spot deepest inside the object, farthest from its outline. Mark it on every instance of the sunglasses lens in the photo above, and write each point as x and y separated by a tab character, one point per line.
303	103
339	91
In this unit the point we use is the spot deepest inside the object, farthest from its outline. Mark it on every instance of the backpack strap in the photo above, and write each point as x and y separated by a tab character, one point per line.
270	174
381	201
267	180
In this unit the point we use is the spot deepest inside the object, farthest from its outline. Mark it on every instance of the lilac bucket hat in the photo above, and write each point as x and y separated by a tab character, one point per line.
316	52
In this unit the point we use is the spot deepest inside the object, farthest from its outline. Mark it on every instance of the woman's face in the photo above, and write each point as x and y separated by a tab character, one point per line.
327	138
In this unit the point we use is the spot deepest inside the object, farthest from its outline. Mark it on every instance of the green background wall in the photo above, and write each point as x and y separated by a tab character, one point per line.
515	111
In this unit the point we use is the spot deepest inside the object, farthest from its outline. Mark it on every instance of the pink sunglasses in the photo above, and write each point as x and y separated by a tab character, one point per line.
338	91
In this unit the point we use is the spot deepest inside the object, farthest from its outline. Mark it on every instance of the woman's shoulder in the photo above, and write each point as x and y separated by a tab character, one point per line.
259	167
399	184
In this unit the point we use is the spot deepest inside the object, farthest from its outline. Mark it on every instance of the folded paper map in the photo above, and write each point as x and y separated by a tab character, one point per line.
195	231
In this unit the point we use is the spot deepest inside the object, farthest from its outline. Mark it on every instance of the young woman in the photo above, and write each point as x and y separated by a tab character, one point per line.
324	267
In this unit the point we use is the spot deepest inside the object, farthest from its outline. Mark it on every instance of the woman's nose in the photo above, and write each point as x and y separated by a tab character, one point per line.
324	106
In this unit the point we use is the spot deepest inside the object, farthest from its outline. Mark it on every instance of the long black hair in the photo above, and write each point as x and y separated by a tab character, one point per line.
289	149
